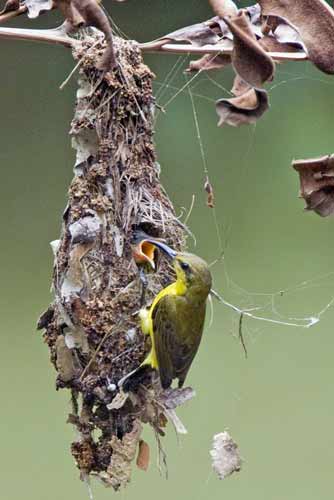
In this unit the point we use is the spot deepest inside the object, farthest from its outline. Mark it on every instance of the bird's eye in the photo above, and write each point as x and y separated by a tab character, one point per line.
185	266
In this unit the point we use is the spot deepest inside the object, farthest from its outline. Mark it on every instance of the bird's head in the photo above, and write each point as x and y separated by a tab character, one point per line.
193	271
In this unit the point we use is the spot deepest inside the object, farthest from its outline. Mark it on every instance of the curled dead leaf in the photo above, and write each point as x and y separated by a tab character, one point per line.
244	109
270	44
71	14
225	455
239	86
287	34
249	59
90	13
317	183
95	16
314	20
209	61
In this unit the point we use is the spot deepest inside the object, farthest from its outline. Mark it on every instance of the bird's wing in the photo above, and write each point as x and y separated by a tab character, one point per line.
174	355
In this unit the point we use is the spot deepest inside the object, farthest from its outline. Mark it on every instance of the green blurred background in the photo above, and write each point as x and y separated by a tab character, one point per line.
279	403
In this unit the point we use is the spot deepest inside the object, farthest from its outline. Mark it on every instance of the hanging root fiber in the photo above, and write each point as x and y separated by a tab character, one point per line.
92	327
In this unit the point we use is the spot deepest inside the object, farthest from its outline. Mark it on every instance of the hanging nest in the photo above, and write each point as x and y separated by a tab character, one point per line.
92	327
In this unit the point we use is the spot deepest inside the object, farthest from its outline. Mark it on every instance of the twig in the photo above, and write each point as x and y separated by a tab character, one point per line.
48	36
68	78
173	48
241	337
95	353
51	36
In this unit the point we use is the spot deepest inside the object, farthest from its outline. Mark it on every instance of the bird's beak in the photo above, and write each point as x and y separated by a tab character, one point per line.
162	246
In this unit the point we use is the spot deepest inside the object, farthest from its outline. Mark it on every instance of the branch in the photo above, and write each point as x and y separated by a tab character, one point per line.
164	46
56	36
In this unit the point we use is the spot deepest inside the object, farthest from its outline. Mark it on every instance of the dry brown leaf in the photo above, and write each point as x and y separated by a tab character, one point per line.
224	8
210	194
286	34
76	338
65	362
74	275
45	318
172	398
314	20
244	109
225	455
239	86
210	61
118	401
317	183
10	5
123	453
197	34
249	59
271	44
143	457
70	13
85	230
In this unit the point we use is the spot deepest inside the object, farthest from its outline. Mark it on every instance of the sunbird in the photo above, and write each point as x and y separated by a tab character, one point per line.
175	320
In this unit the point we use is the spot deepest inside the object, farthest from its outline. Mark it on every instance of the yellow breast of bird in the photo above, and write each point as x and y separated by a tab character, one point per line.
146	319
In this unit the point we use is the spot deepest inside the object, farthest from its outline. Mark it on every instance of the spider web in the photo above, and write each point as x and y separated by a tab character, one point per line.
257	306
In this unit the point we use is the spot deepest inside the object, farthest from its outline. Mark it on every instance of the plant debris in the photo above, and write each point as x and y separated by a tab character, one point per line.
314	21
317	183
250	61
225	455
143	457
243	109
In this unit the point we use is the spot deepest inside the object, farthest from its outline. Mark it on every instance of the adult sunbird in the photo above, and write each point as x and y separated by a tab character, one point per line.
175	320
